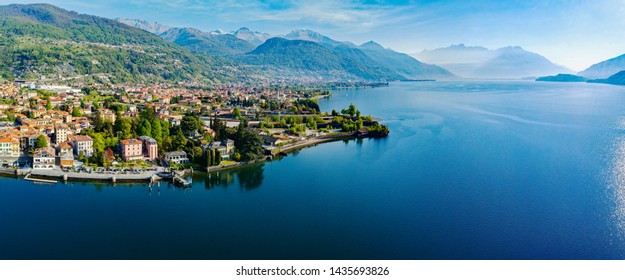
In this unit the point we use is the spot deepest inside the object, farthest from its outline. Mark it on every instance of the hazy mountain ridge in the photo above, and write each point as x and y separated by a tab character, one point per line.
403	64
479	62
605	68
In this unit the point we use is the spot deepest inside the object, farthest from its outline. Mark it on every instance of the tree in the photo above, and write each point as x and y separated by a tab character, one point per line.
157	130
179	141
41	142
123	128
148	114
76	112
144	128
98	142
108	156
217	157
48	104
351	111
237	113
189	124
209	157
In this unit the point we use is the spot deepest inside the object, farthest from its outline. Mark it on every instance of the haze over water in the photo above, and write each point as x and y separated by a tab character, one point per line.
471	170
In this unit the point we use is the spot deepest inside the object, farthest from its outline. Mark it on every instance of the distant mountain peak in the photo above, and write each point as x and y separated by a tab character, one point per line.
372	45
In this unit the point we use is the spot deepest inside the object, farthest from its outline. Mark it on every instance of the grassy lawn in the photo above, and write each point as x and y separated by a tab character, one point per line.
228	162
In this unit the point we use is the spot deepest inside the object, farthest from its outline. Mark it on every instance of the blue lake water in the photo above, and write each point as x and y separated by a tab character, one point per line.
471	170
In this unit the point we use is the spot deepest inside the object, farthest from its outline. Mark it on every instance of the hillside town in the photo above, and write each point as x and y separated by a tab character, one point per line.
129	128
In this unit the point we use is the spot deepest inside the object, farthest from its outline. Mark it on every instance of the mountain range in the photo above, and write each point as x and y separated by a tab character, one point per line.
480	62
41	40
299	53
44	40
605	68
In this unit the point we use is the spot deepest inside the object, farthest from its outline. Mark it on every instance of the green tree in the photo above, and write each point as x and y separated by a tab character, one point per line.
41	142
48	104
209	157
98	142
123	126
236	113
189	124
157	131
76	112
144	128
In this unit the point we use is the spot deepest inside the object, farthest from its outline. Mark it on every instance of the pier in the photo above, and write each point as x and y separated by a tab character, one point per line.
27	177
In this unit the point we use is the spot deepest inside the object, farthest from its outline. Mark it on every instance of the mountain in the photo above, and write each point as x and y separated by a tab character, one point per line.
616	79
479	62
214	44
41	39
605	68
561	78
309	35
217	43
403	64
254	37
314	60
152	27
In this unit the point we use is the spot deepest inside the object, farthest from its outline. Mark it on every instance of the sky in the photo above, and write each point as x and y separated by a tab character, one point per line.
572	33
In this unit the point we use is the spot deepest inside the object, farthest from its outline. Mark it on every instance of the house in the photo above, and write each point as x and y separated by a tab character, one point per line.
60	133
107	115
43	158
150	147
225	148
66	159
177	157
84	144
9	151
131	149
64	148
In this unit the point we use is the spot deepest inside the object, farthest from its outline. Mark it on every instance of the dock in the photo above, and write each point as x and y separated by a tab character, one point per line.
27	177
178	180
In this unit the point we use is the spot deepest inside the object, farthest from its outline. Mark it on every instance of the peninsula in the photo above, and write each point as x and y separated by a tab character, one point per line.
131	132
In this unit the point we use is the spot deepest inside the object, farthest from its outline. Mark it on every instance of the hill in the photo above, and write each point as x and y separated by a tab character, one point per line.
561	78
41	39
316	60
616	79
605	68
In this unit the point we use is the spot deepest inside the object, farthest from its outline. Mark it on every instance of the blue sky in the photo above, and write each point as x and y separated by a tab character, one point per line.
572	33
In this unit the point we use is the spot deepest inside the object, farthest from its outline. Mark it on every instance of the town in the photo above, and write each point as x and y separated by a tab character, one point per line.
125	129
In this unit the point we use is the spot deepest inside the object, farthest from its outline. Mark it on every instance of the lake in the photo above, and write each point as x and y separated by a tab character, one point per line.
470	170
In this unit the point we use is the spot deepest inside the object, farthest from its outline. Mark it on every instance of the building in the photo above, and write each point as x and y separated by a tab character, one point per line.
66	159
177	157
43	158
131	149
107	115
150	147
9	151
225	148
9	147
84	144
60	133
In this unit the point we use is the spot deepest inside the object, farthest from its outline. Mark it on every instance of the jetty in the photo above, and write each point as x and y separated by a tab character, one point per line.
27	177
180	181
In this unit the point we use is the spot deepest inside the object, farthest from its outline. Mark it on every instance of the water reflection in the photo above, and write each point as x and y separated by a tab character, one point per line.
618	184
248	177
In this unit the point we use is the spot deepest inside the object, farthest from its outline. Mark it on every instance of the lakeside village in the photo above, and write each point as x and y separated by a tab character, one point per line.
135	133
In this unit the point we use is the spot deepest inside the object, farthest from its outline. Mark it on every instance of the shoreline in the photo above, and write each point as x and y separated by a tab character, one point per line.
151	177
286	149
